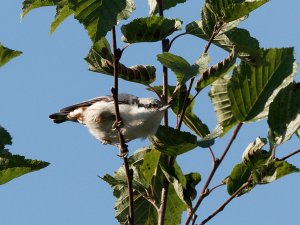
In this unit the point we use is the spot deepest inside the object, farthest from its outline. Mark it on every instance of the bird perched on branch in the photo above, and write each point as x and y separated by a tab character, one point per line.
141	117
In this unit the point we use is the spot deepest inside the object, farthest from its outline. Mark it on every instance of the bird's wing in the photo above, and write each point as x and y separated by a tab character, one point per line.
86	103
122	99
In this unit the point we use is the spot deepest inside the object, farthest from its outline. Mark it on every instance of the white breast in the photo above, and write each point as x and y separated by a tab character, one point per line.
138	122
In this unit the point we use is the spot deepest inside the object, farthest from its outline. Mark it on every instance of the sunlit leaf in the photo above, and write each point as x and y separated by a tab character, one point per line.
146	213
28	5
173	142
7	54
182	69
149	166
272	171
99	60
63	11
254	156
13	166
149	29
239	175
229	10
175	208
285	121
202	63
222	106
98	17
251	87
216	71
166	5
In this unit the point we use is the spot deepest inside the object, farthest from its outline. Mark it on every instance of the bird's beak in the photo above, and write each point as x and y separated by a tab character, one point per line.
164	108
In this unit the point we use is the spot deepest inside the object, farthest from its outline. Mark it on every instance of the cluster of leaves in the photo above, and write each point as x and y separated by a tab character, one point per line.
252	90
13	166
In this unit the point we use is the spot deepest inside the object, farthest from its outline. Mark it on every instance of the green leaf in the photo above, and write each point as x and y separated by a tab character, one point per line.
63	11
202	63
179	181
192	179
149	166
238	176
273	171
166	5
173	142
216	71
28	5
99	60
251	87
182	69
98	17
146	213
175	208
149	29
7	54
222	106
5	138
254	156
230	10
13	166
228	37
285	121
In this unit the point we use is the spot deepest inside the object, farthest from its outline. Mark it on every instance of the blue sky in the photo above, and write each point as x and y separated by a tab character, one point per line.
51	74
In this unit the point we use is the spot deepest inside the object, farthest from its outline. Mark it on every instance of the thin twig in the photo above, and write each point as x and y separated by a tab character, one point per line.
194	219
225	203
172	41
188	101
215	187
212	154
205	191
168	160
151	200
290	155
117	125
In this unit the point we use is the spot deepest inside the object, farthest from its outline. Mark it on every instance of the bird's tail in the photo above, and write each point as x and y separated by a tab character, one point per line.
59	117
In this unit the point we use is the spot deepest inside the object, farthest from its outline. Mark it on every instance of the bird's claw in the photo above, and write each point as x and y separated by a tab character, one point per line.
117	124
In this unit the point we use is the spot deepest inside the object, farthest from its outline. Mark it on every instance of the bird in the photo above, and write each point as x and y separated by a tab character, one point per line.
141	117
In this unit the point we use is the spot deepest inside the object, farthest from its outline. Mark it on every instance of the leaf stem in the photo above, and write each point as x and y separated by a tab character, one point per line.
290	155
172	41
215	187
117	125
212	154
205	192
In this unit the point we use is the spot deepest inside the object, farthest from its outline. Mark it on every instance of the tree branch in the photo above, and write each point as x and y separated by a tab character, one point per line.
220	209
290	155
205	192
118	124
